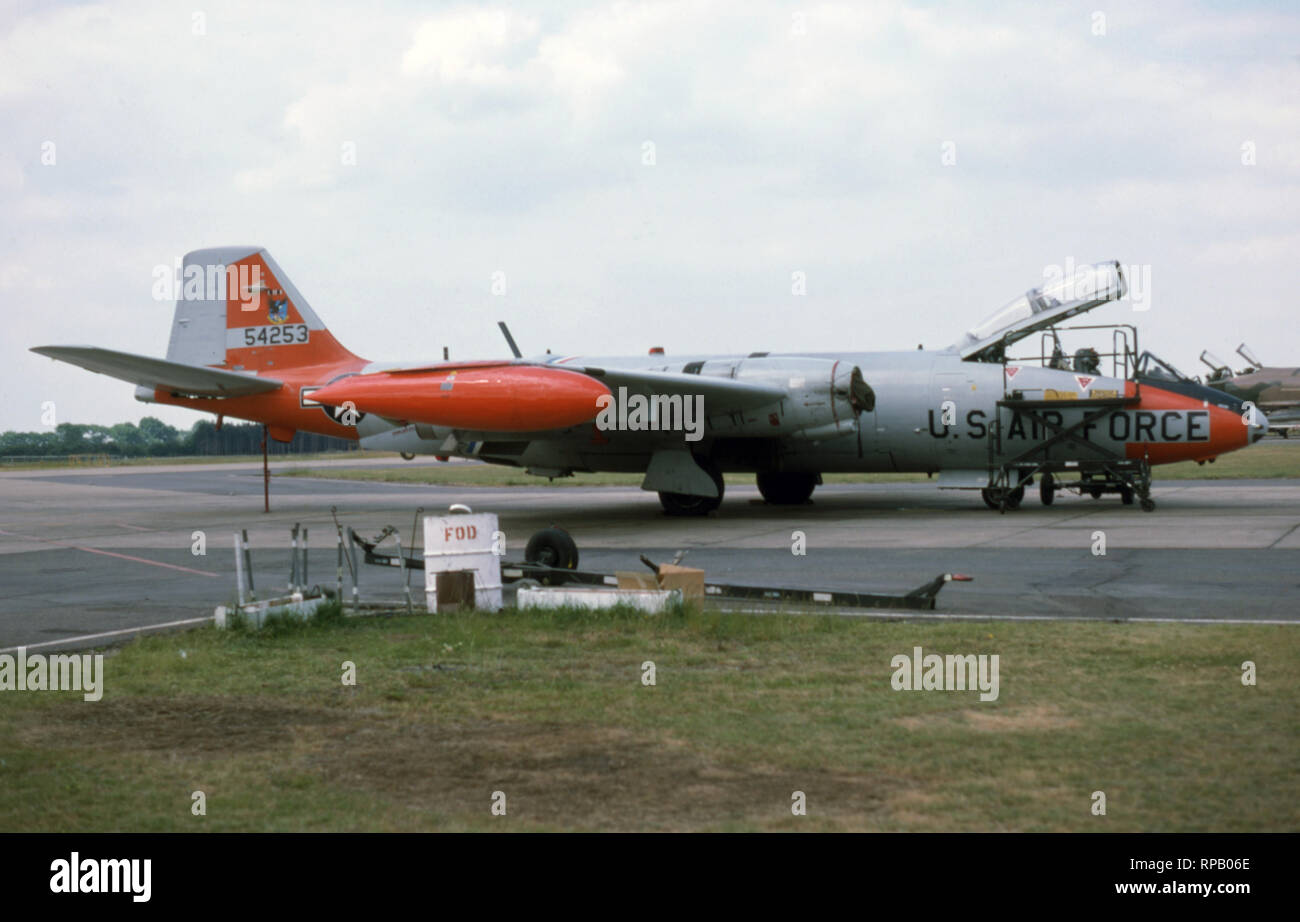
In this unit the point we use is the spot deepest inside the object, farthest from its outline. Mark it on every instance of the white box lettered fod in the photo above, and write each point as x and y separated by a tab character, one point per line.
463	542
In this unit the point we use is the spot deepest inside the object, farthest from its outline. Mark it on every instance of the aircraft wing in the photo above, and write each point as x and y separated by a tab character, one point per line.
721	395
160	374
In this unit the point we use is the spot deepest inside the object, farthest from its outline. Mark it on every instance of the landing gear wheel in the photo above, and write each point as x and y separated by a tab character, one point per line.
1126	495
1001	499
1148	504
1046	489
786	488
552	547
687	504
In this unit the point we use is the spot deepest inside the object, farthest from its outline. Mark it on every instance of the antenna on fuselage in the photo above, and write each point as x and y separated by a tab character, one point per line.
510	340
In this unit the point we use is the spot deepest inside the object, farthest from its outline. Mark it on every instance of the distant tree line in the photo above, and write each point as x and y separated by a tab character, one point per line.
154	438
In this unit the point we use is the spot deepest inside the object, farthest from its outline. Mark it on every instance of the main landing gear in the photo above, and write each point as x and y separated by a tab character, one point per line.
787	488
687	504
778	488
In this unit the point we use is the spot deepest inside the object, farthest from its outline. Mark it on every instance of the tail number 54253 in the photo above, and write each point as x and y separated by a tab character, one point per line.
275	336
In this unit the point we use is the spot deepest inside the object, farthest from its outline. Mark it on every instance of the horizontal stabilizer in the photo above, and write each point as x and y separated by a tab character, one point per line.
160	374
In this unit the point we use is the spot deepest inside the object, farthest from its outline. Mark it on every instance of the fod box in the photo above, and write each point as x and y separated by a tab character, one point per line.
462	542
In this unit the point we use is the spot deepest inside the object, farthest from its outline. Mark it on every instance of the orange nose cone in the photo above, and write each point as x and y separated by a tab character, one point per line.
501	398
1169	427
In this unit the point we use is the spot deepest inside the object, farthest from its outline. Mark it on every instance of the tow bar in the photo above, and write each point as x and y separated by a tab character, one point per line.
922	598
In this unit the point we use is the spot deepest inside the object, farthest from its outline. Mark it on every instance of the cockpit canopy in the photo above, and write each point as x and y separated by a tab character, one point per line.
1063	297
1156	369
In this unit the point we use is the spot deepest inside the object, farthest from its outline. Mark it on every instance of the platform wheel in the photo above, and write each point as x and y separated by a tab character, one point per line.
1126	495
1047	489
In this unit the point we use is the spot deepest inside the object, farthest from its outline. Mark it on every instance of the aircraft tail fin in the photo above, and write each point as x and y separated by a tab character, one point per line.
238	310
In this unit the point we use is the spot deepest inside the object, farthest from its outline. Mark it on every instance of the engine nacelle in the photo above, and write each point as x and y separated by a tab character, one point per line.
824	397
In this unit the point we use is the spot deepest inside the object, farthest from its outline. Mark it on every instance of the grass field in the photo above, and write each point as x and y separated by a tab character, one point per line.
549	708
1266	460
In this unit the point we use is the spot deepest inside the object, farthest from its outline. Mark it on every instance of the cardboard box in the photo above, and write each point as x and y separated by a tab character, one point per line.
688	579
643	579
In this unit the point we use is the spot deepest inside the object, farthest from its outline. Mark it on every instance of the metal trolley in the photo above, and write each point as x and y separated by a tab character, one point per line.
1092	469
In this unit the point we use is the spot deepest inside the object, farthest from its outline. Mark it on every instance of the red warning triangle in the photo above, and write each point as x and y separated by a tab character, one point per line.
1011	371
1085	381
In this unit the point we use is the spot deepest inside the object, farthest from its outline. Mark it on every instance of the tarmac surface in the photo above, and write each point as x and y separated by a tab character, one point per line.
87	552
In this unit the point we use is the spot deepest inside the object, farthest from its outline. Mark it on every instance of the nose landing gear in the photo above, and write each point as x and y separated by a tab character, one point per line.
1001	499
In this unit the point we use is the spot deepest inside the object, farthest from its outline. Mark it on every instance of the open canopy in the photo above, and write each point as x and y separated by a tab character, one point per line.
1064	297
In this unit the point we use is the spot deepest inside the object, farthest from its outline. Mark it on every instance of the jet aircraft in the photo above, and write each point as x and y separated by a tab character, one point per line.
245	343
1272	389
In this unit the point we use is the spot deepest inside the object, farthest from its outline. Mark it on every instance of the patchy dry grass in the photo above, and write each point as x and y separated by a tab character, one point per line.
550	709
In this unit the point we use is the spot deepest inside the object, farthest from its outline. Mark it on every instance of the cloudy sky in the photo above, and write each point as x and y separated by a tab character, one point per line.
642	174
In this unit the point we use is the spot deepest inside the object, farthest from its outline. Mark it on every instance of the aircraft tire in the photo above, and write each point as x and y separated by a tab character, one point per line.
1126	495
993	498
688	504
786	488
1047	489
552	547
